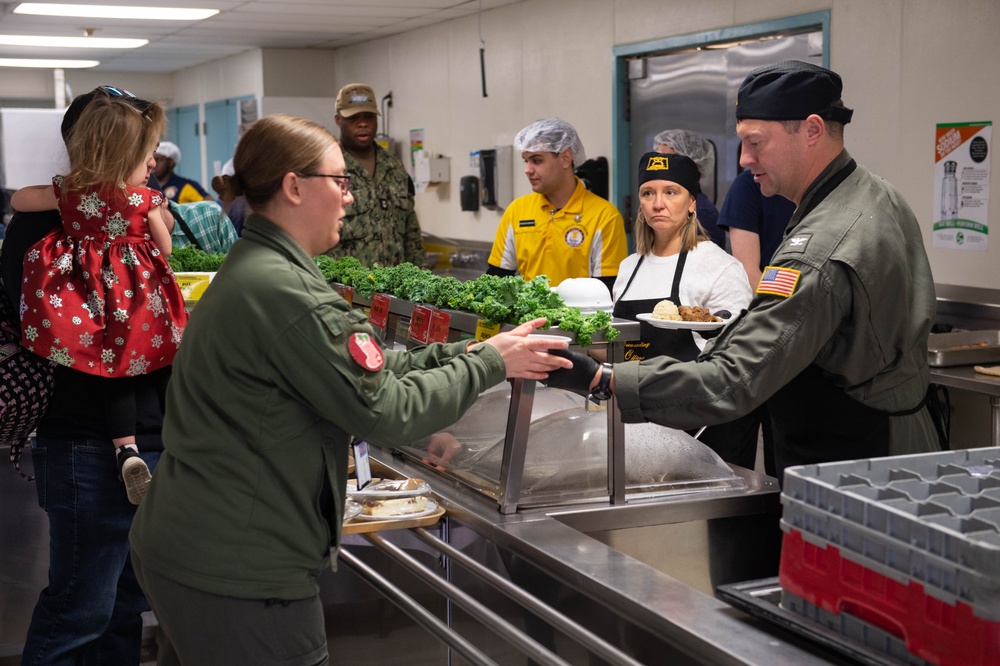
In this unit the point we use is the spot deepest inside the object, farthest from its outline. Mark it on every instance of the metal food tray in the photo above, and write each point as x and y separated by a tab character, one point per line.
947	349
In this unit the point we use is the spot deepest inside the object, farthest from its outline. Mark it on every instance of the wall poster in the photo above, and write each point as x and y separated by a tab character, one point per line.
416	144
962	186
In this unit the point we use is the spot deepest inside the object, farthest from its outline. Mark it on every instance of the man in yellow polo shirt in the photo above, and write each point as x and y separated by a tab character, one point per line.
560	230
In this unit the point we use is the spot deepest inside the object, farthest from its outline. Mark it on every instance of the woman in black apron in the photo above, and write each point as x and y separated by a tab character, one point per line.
672	262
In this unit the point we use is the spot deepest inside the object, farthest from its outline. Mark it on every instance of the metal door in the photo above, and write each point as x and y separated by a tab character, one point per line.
222	129
696	90
188	139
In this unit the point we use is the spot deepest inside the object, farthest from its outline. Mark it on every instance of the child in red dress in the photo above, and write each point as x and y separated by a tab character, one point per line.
98	294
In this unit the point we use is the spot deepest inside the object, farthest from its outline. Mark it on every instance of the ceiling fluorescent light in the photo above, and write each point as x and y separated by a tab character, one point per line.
114	12
72	42
48	64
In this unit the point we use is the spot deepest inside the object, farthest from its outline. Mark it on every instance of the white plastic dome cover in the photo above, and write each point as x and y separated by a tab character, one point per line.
585	293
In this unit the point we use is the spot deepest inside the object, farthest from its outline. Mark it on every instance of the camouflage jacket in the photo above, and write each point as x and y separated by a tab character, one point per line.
381	225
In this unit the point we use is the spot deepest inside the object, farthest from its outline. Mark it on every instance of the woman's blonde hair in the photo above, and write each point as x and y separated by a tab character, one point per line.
272	147
692	234
109	141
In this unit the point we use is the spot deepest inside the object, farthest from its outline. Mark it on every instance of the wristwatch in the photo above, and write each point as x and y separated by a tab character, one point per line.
602	391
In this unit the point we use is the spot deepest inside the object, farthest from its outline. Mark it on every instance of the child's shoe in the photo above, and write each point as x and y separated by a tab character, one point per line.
134	473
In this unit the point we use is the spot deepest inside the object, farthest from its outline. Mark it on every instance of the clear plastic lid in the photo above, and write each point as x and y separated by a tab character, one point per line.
568	447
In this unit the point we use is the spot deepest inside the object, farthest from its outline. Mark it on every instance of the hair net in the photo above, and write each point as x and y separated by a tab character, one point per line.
551	135
691	144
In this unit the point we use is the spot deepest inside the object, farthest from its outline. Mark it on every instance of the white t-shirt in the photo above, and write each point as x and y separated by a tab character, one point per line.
712	279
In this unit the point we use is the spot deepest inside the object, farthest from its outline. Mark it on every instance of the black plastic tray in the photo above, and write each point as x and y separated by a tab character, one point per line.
761	598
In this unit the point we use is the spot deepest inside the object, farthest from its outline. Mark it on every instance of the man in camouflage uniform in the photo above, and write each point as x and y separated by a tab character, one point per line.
380	226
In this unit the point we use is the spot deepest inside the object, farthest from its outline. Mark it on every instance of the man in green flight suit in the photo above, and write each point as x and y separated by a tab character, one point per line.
380	226
835	338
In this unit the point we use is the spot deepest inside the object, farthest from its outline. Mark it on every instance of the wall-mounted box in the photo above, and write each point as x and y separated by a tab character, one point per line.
429	169
496	172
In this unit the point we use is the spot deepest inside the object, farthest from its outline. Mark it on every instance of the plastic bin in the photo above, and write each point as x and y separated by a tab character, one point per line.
908	544
926	627
933	518
854	628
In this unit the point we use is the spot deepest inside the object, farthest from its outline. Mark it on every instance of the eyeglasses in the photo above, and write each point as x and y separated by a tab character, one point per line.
343	181
117	92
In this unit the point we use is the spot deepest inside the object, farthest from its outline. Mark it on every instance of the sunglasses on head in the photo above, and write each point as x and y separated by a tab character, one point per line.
141	105
117	92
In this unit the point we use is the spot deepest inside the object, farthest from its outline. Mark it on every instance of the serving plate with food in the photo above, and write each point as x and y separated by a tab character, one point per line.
351	510
397	509
680	325
686	317
388	489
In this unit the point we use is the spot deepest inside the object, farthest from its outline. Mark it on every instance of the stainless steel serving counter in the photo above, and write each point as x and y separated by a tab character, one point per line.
639	575
966	378
970	309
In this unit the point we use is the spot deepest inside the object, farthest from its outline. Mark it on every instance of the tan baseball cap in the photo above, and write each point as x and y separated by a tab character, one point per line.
356	98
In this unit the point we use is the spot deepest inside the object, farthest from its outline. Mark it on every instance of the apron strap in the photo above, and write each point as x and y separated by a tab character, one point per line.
632	277
675	288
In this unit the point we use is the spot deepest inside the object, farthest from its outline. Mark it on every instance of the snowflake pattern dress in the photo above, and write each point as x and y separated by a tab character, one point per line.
98	295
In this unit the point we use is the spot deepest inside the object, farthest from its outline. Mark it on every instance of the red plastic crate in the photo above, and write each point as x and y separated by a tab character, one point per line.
941	633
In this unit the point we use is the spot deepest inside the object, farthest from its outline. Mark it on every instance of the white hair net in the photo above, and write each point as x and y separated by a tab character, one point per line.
691	144
551	135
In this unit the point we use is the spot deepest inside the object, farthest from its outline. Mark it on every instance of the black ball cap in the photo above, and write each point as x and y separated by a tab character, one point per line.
791	90
679	169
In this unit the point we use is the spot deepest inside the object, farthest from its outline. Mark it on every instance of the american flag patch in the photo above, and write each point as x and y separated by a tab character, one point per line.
778	281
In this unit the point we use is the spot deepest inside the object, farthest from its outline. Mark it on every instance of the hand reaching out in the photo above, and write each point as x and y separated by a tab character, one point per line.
441	449
527	357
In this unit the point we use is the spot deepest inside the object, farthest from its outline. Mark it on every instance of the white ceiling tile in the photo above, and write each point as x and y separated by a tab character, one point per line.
241	25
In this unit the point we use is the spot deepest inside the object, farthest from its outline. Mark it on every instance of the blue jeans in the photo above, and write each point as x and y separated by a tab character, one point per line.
90	613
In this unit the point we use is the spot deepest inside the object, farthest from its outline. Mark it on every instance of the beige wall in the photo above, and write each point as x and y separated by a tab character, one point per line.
907	65
39	85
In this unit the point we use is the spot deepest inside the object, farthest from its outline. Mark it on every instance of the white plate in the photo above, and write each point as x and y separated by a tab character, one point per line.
351	510
550	338
385	489
431	508
680	325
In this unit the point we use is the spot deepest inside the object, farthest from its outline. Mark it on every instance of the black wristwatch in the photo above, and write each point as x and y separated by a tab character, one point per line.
602	391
